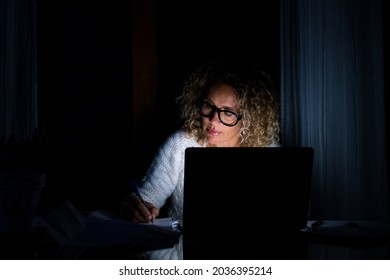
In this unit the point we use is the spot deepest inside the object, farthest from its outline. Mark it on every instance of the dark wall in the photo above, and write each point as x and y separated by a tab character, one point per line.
189	32
386	85
88	108
85	78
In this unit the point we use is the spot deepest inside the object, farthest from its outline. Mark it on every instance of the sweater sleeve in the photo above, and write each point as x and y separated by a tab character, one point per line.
165	170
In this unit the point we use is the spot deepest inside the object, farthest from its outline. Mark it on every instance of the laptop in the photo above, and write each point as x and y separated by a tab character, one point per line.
246	203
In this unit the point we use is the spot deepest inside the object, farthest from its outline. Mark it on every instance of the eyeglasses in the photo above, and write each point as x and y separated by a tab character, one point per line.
227	117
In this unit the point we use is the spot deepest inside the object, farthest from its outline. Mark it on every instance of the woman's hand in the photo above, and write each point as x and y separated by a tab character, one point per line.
133	209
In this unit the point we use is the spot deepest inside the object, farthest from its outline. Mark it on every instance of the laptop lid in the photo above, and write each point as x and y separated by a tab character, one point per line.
234	196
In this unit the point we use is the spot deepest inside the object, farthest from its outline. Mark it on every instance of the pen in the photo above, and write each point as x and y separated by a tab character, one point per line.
134	188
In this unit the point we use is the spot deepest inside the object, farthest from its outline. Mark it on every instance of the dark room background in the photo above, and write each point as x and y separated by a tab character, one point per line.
106	128
107	75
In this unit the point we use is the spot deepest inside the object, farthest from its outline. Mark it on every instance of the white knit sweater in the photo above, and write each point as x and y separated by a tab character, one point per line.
164	179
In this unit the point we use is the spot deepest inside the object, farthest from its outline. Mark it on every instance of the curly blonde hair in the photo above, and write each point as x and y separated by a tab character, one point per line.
259	106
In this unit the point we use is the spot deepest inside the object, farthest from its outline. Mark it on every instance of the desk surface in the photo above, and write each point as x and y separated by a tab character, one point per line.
331	240
352	233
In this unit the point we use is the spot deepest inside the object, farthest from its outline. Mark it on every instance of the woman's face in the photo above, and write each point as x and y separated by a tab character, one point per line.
219	135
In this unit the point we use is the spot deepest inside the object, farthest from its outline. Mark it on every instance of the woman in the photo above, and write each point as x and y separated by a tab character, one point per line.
225	103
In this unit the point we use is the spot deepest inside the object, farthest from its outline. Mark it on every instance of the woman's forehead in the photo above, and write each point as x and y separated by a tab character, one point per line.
223	95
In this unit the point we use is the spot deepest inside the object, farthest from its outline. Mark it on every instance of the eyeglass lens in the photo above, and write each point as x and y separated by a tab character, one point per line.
227	117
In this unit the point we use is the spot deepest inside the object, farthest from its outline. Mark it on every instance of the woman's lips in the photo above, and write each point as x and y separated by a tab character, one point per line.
212	132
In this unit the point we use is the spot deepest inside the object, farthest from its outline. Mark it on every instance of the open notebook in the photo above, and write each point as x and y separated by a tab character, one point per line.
240	201
102	229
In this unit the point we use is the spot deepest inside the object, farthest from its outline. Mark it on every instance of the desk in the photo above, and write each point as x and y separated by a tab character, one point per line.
349	239
67	234
333	240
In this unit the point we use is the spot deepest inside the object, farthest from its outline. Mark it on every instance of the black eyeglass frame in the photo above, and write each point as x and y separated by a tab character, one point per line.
218	110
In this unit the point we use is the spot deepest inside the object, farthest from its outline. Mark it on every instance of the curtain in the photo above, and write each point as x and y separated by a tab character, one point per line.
18	69
332	99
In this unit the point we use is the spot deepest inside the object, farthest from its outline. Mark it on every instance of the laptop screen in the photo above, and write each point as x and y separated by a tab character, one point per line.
245	193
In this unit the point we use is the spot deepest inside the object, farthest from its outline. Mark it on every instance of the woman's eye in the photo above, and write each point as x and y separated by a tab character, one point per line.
228	113
207	107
